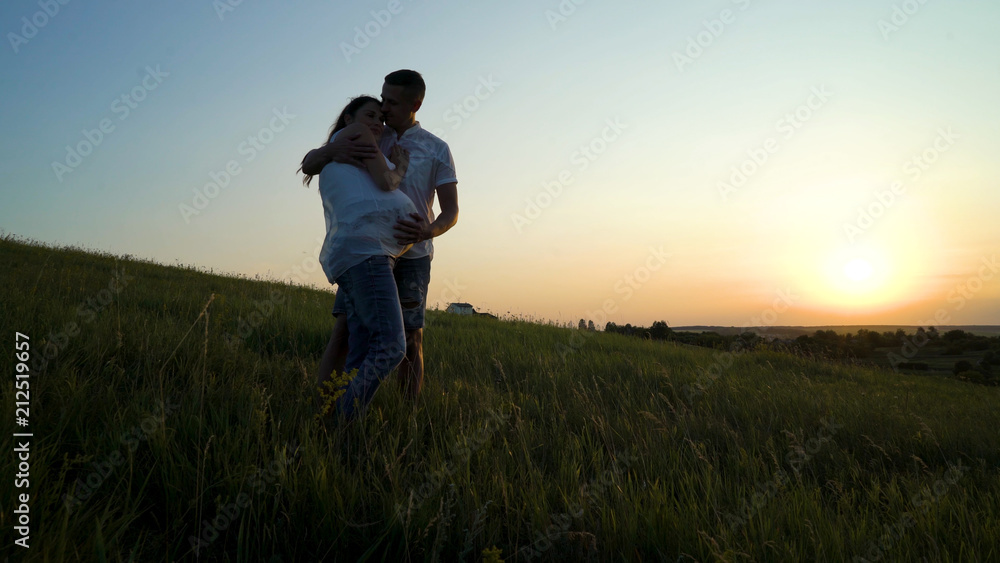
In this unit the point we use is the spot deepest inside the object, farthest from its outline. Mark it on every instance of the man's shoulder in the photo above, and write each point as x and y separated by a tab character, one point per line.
429	138
434	145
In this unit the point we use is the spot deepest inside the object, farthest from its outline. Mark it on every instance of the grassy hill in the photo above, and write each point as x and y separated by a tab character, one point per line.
171	416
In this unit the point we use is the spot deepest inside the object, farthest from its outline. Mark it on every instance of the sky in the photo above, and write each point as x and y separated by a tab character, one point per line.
730	162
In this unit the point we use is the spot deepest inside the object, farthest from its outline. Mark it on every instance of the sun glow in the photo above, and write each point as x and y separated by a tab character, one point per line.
861	280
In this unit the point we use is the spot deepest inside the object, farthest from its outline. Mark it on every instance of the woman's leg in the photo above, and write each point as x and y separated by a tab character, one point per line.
375	322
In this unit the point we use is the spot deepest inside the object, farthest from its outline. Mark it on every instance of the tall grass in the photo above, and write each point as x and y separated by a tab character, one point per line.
515	444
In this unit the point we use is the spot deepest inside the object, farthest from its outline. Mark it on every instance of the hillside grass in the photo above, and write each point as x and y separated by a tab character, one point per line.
543	442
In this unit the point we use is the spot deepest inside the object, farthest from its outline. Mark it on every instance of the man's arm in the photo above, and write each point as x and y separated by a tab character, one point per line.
447	195
347	149
418	230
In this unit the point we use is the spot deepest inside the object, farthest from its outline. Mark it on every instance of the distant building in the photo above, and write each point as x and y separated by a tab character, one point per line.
461	309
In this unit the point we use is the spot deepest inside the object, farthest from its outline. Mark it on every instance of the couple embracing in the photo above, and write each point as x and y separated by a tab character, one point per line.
379	173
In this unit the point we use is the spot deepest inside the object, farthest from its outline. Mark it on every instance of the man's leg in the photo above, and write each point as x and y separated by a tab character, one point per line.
411	369
412	278
335	354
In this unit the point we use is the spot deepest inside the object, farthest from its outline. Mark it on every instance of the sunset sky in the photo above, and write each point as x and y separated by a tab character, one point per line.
797	163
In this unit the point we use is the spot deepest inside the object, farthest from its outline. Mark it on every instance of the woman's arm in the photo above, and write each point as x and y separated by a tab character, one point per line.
386	180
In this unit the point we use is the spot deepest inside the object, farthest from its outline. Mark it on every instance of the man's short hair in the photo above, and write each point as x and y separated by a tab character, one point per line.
411	81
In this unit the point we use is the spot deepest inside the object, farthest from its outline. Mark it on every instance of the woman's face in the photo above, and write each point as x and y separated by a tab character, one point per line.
369	115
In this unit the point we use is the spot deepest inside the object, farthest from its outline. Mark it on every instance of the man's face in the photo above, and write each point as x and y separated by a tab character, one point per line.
397	107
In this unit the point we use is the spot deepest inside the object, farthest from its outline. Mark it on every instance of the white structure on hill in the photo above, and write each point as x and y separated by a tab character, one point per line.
461	309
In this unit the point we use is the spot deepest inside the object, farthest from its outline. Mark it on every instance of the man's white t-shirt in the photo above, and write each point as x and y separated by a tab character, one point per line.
359	217
431	165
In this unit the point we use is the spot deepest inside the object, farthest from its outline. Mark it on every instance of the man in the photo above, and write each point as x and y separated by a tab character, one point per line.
431	172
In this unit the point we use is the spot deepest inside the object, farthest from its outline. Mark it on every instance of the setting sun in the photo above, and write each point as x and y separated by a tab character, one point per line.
858	270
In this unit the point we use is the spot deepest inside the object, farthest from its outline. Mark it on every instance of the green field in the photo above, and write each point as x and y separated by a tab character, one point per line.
173	418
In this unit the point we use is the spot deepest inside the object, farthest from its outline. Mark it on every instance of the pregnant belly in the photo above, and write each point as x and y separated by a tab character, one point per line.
379	225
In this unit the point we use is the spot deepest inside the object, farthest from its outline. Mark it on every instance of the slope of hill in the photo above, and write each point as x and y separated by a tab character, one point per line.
171	417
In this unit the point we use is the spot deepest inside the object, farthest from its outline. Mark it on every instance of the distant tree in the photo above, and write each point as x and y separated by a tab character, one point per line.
954	336
583	325
960	366
660	331
990	358
827	335
590	326
870	339
933	334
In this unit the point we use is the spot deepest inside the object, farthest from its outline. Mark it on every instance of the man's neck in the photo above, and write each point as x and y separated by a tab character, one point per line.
400	130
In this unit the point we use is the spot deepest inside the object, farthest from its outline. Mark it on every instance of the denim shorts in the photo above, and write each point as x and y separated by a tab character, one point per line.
412	278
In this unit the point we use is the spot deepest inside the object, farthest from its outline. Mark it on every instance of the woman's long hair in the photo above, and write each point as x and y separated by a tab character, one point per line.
350	109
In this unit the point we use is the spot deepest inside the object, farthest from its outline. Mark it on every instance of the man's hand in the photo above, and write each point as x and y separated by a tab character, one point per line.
412	232
347	150
419	230
351	150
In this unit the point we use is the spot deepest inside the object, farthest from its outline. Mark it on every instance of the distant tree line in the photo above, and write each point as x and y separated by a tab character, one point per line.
865	346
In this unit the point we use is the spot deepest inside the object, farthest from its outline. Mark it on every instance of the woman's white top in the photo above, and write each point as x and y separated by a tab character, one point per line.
359	217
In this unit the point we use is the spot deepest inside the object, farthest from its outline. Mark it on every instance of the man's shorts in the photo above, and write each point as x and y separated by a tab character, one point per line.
412	275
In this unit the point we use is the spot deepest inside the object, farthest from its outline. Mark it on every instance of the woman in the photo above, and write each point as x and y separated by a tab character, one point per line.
361	207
